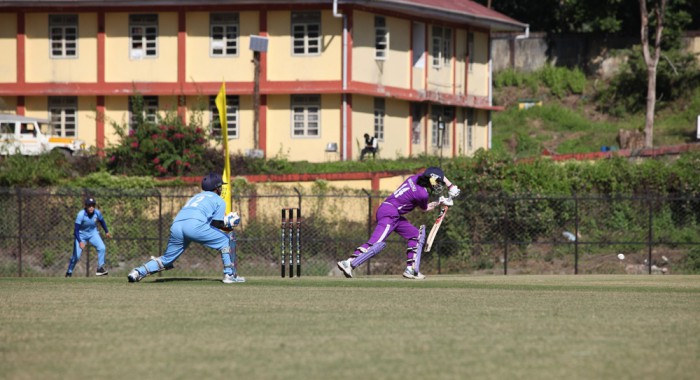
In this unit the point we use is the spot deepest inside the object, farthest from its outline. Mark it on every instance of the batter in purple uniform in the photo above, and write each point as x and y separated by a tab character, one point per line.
414	192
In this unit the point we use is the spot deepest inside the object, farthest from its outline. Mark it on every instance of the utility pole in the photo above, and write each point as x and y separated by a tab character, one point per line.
258	44
256	99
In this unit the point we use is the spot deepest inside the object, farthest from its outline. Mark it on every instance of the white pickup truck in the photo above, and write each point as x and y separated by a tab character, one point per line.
31	136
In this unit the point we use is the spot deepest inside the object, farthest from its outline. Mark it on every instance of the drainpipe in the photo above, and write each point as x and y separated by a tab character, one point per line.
524	36
344	112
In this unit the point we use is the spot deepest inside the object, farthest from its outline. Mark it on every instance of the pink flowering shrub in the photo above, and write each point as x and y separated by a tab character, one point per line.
166	148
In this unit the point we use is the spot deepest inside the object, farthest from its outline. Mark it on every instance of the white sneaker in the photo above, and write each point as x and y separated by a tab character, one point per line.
232	279
134	276
411	274
345	267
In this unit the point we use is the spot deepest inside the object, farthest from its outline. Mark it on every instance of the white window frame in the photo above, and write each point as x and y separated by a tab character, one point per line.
232	107
306	116
150	110
381	39
379	115
143	36
63	113
442	47
306	33
63	36
224	34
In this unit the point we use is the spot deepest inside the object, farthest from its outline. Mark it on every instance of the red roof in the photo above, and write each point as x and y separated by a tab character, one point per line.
465	7
458	11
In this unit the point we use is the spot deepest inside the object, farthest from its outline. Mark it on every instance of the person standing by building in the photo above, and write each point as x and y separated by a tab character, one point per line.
85	231
414	192
201	220
371	146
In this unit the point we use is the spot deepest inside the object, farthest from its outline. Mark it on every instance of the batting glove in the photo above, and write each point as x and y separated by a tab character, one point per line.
446	201
454	191
232	219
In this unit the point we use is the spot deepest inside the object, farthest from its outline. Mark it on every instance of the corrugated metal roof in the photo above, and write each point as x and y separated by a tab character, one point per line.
456	11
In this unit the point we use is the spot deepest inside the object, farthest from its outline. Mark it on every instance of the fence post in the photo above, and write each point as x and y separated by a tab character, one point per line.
19	232
576	233
299	197
160	221
369	225
86	253
651	232
506	225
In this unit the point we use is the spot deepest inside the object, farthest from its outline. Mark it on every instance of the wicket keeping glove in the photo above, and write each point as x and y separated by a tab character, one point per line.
453	191
446	201
232	219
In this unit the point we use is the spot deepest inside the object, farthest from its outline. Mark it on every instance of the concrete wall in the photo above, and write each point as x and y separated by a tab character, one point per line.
591	53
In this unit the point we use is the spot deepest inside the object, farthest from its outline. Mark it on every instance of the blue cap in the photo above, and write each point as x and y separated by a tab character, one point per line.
211	181
90	201
435	172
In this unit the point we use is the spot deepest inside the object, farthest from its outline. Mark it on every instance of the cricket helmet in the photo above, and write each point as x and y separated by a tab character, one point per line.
435	177
212	181
90	201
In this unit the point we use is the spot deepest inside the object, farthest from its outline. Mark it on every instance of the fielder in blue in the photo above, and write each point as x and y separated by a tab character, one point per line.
85	231
201	220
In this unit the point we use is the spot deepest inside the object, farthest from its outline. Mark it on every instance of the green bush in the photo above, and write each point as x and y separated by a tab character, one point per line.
560	81
42	170
677	76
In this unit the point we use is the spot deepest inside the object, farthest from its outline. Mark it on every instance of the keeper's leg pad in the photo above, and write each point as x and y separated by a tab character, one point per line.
155	265
229	257
419	249
366	255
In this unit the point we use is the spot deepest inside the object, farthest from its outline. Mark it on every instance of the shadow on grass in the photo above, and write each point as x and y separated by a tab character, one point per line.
184	279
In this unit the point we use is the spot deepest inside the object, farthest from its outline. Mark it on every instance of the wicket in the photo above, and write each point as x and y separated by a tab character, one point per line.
289	228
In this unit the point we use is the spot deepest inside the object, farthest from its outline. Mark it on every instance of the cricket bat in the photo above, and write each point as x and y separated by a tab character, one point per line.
435	228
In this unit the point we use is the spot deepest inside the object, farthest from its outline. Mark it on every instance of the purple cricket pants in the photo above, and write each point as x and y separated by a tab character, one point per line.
388	221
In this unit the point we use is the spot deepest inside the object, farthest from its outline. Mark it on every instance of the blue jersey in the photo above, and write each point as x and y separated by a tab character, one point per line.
204	207
86	224
408	196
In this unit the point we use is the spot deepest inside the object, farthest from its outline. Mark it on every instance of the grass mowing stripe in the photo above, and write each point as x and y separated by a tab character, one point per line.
451	327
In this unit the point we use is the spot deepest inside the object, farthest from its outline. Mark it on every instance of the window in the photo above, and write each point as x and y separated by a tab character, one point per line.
63	111
146	112
447	115
63	32
143	34
442	47
379	112
223	34
470	50
417	115
7	129
232	106
381	38
306	115
470	128
306	33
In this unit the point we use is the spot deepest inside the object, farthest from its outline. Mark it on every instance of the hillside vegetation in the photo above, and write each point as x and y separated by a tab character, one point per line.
579	114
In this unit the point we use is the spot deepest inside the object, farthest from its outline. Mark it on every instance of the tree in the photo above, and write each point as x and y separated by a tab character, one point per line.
658	10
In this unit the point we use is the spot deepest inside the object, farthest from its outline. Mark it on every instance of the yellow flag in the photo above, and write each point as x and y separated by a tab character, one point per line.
221	106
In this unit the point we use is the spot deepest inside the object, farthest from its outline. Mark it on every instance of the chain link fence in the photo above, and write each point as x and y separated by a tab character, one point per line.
480	235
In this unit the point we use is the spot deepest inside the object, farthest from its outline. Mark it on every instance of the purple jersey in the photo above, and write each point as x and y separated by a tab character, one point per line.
408	196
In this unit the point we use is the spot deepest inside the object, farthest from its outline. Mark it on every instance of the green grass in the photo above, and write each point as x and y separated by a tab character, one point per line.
447	327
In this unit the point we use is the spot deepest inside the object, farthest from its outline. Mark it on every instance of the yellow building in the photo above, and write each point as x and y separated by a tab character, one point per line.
305	79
